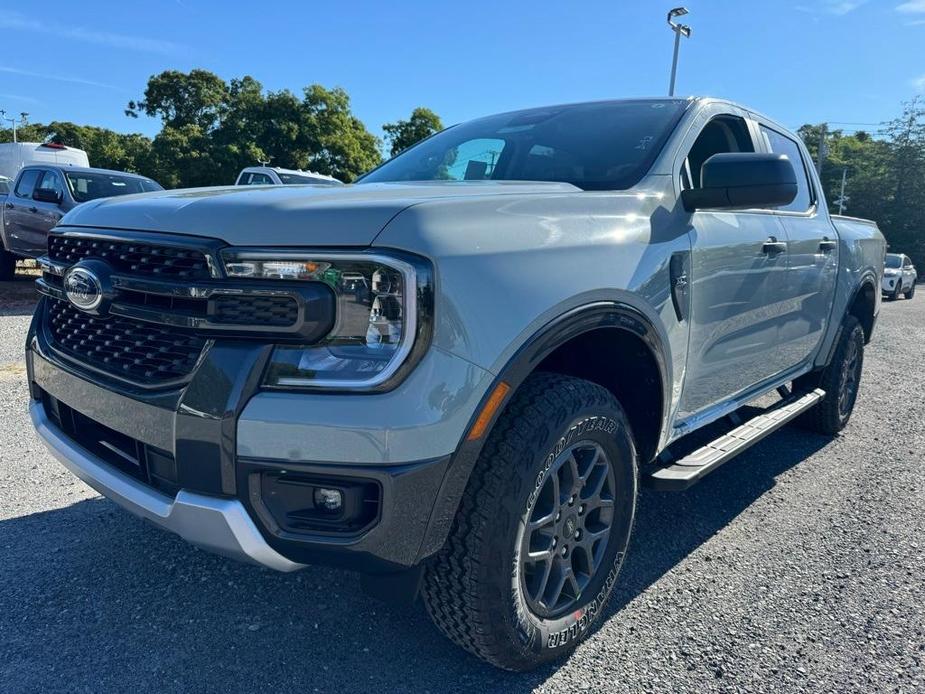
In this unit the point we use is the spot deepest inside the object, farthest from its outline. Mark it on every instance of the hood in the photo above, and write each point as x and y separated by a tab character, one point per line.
284	215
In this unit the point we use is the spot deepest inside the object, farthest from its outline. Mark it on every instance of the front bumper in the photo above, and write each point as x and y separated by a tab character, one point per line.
888	284
219	525
215	499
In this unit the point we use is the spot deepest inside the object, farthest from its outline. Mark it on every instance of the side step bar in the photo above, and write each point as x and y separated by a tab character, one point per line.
688	470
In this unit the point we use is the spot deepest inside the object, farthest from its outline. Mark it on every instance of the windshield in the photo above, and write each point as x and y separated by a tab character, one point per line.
893	261
289	178
594	146
86	186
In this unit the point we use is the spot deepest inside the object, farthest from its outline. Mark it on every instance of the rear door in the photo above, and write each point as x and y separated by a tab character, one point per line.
813	257
19	212
738	269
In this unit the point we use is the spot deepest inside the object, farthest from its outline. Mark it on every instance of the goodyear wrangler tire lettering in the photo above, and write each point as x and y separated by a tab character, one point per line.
554	428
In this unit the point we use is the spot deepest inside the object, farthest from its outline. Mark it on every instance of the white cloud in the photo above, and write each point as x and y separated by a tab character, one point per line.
20	97
836	7
19	22
912	6
56	78
919	83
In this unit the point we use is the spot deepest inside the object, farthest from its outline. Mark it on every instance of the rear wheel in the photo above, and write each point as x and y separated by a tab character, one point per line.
840	380
542	528
7	265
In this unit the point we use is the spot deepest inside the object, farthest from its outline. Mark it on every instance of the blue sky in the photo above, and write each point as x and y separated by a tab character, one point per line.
798	61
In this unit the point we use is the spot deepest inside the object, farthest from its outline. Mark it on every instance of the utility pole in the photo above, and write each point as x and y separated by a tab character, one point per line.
820	155
842	200
22	119
678	30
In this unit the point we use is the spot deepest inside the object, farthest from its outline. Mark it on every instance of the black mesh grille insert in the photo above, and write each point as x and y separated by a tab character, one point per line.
255	310
131	349
129	256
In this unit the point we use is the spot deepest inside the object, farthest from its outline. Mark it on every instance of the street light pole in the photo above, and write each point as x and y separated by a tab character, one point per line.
678	30
14	121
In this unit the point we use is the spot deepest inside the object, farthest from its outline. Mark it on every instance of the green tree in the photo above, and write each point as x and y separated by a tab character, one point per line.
885	176
180	99
403	133
212	129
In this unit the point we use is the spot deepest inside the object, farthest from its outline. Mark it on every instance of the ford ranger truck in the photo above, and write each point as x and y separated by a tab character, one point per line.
455	374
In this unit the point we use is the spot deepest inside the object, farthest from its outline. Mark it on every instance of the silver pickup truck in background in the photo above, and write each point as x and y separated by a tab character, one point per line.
454	375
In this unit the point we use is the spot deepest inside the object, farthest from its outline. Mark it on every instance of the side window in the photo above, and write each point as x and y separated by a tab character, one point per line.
27	183
51	181
781	144
720	135
256	179
907	263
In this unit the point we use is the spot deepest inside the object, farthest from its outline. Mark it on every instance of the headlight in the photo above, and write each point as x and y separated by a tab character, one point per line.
382	305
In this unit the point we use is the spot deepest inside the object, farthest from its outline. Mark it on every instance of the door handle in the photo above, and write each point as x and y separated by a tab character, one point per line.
827	245
33	209
8	205
773	247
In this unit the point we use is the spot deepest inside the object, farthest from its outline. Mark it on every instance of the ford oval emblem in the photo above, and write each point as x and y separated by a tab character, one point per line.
83	288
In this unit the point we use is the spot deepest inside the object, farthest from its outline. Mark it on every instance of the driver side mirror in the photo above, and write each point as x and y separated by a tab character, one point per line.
743	180
46	195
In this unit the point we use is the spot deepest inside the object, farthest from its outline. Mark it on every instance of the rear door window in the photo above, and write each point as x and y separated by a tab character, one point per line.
781	144
27	182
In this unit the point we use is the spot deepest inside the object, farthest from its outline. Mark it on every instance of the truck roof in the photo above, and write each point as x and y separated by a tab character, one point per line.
84	169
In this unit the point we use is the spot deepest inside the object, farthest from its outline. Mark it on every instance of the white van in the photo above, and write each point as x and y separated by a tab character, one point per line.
15	155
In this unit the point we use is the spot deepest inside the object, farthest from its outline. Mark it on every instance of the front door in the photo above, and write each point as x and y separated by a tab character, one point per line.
46	214
20	211
738	269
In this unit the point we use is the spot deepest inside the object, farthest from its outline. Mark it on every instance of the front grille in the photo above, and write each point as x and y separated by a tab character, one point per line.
255	310
131	349
128	256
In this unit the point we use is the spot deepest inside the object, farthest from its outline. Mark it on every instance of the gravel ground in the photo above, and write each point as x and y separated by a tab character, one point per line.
797	567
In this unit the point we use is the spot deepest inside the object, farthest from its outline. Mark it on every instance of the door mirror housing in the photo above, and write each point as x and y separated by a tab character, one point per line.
741	180
46	195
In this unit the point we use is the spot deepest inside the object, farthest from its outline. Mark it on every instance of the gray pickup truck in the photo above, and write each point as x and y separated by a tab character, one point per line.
455	374
42	194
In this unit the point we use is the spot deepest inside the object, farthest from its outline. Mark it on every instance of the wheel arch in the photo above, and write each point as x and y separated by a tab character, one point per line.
613	322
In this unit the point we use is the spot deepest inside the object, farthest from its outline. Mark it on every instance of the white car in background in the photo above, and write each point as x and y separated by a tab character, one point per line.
272	175
899	276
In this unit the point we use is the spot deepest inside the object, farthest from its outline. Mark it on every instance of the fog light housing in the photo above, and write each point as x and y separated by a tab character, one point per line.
329	500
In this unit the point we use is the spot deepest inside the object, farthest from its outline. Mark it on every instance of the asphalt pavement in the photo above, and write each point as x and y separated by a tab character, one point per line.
799	566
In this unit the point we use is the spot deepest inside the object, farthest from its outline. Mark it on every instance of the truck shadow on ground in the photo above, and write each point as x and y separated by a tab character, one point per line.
94	600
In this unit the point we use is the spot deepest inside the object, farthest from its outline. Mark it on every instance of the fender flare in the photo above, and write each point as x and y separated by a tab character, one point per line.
604	314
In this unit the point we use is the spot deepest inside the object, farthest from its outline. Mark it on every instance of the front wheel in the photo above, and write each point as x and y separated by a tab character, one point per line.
840	380
542	529
911	293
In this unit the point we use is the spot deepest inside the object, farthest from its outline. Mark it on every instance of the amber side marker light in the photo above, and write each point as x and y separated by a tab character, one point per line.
491	406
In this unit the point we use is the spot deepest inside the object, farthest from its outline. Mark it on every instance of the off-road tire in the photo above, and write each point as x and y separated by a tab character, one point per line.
829	417
472	588
911	292
7	265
